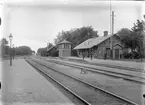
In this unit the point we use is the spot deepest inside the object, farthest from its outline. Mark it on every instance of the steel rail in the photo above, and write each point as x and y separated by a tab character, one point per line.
95	87
101	71
106	65
80	98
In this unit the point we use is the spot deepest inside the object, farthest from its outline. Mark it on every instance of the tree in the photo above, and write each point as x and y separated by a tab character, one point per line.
4	41
49	45
134	38
4	47
76	36
125	36
33	52
138	26
139	36
41	50
129	38
23	50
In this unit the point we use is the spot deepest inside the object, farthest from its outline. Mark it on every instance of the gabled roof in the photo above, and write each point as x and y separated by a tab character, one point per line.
92	42
64	41
50	48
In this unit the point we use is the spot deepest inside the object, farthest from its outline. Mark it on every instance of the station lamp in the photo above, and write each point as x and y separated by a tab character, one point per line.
10	38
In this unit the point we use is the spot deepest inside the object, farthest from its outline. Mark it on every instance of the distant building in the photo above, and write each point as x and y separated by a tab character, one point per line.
64	48
99	47
50	51
43	53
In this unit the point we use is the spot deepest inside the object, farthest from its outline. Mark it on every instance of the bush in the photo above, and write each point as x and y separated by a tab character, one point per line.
126	55
132	55
135	55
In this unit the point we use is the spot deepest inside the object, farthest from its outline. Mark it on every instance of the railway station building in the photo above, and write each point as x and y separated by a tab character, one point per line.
100	47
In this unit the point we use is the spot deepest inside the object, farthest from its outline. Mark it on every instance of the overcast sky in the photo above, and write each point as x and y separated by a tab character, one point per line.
36	23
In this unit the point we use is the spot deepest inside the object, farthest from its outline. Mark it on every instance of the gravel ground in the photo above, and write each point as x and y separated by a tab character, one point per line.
123	71
129	90
137	65
91	95
132	78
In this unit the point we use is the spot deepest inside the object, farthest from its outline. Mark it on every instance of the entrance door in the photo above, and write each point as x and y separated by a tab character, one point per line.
108	53
116	53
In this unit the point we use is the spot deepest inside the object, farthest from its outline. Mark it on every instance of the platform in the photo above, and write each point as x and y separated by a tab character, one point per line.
22	84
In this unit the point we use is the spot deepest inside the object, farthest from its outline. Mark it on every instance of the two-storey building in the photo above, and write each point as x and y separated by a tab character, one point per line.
64	48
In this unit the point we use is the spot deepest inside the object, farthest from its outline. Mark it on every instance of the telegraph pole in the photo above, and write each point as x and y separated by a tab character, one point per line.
112	32
111	29
110	17
113	22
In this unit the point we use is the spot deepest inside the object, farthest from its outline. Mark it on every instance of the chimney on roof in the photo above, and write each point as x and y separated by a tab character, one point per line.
105	33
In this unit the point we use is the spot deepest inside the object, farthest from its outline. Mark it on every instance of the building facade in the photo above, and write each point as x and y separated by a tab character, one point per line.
100	47
64	48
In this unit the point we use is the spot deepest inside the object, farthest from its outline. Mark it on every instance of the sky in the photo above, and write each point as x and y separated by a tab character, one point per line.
36	22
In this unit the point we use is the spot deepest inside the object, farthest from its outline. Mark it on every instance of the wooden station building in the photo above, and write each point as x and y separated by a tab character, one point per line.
100	47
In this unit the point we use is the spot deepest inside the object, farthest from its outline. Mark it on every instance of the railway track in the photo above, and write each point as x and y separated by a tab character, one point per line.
107	98
100	64
83	101
105	65
102	71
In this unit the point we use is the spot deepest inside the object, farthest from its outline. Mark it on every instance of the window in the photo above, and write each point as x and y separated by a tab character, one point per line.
66	45
62	46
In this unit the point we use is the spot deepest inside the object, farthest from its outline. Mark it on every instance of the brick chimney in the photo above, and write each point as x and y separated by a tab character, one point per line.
105	33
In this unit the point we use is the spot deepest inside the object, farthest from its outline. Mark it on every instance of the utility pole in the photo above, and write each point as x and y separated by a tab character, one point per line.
110	17
112	32
113	22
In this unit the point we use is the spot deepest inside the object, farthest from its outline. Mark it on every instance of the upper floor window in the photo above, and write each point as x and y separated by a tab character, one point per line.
66	45
61	46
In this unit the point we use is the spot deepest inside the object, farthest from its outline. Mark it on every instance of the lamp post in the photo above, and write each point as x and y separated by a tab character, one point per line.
10	37
13	52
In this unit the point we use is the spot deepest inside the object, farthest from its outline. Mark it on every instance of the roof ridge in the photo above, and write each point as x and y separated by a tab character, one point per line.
94	41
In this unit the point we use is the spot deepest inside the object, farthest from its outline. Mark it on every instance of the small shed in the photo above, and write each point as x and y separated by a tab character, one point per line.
52	51
64	48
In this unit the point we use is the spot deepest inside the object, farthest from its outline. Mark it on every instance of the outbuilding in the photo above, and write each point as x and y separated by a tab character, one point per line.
52	51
